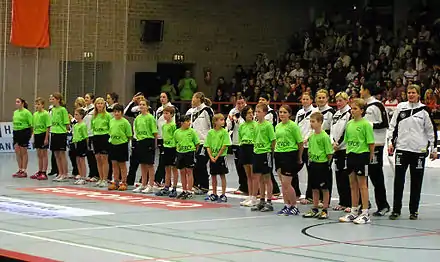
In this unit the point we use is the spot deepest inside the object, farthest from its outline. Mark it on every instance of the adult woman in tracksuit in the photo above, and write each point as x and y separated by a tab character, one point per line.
337	131
377	115
232	124
160	121
413	135
201	120
91	160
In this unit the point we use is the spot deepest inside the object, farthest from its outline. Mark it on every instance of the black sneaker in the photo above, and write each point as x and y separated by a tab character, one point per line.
259	206
394	216
414	216
182	195
267	208
382	212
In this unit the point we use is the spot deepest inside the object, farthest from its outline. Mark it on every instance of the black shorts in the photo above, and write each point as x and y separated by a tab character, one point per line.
320	175
80	148
22	137
58	142
185	160
246	154
262	163
287	162
119	153
358	163
145	151
219	167
169	156
101	144
39	141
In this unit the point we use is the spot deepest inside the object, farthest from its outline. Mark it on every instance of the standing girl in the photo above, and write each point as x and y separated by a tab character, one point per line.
80	103
216	144
288	158
79	142
145	132
91	160
100	127
22	125
41	138
58	135
112	100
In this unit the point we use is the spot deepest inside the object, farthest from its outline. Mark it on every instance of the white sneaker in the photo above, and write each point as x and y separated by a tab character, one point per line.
348	218
251	203
242	203
103	183
80	182
98	183
138	189
363	218
148	190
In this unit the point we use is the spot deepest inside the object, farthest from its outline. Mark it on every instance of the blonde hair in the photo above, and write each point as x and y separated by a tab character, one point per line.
323	91
203	98
359	102
262	106
317	116
427	93
40	100
99	100
217	117
307	94
342	95
80	102
414	87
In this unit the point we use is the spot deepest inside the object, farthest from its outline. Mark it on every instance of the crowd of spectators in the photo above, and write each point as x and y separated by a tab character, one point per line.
340	55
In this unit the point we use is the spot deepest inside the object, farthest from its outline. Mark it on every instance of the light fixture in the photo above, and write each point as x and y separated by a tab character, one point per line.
178	57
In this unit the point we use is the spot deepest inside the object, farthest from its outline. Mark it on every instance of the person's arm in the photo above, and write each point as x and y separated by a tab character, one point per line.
220	152
391	135
371	147
300	152
431	134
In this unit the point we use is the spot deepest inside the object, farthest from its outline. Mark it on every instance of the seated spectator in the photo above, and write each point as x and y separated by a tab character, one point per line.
430	100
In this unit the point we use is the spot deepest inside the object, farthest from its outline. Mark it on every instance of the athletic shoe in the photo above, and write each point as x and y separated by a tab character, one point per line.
242	203
349	217
42	176
251	203
322	215
212	198
113	186
314	212
97	184
163	192
320	205
381	213
52	173
17	173
364	218
268	207
238	192
190	195
173	193
122	187
34	176
414	216
284	211
148	190
259	206
104	183
182	195
293	210
223	199
394	216
80	182
138	189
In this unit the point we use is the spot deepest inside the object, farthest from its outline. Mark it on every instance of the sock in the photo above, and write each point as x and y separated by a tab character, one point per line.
315	209
269	201
167	188
174	188
365	211
262	200
288	206
354	210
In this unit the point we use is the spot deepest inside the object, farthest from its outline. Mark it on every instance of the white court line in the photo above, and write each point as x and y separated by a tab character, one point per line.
81	246
143	225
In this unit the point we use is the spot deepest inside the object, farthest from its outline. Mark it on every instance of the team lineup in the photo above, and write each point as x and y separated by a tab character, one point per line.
351	138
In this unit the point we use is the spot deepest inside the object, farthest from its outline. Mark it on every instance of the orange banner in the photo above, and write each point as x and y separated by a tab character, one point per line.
30	23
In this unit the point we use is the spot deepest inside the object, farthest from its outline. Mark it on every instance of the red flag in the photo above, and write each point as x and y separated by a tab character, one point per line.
30	23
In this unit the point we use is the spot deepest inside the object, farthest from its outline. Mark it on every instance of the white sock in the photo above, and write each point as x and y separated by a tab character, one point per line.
354	210
365	212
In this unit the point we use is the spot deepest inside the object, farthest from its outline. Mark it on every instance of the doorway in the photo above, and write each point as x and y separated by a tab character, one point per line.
173	71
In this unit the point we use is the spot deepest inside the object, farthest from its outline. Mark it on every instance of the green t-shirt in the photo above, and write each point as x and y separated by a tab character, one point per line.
79	132
59	120
358	136
188	89
320	146
120	131
145	126
246	133
216	139
186	140
287	136
168	130
264	135
101	123
22	119
41	122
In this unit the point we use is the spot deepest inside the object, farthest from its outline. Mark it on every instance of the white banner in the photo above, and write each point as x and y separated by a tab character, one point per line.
6	142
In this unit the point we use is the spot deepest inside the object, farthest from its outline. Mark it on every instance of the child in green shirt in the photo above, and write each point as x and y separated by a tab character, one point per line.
262	165
79	141
216	143
187	142
359	139
22	125
320	157
120	134
145	130
41	138
246	137
169	153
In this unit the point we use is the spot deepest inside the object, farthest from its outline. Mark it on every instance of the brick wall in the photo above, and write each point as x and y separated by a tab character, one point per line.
215	34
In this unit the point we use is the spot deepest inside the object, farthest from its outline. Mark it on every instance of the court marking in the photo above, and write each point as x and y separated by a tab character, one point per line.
24	257
72	244
146	224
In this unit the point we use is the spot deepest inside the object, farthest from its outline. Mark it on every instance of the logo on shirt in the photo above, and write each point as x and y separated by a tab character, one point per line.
402	115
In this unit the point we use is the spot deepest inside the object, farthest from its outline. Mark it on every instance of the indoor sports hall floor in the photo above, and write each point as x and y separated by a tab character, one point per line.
90	226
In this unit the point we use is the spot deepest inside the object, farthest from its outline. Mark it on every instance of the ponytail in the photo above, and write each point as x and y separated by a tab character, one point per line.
59	97
25	104
207	102
203	98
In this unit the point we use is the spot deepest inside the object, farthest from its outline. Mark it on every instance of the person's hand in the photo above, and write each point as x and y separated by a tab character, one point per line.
335	146
371	157
433	156
300	161
213	160
46	141
390	150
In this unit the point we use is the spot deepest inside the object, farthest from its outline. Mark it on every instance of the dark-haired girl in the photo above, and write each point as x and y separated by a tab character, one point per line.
91	160
22	125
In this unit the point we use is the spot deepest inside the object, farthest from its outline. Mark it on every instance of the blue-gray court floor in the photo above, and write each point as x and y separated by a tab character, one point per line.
63	222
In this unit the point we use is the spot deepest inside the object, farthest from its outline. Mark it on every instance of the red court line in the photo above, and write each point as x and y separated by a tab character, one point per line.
287	247
24	257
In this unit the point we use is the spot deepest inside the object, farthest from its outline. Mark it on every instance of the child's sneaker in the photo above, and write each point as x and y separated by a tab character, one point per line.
190	194
104	183
259	206
173	193
349	217
163	192
322	215
363	218
148	190
242	203
211	197
22	174
293	210
182	195
267	208
112	186
414	216
394	216
223	199
122	187
284	211
314	212
138	189
251	203
34	176
42	176
80	182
